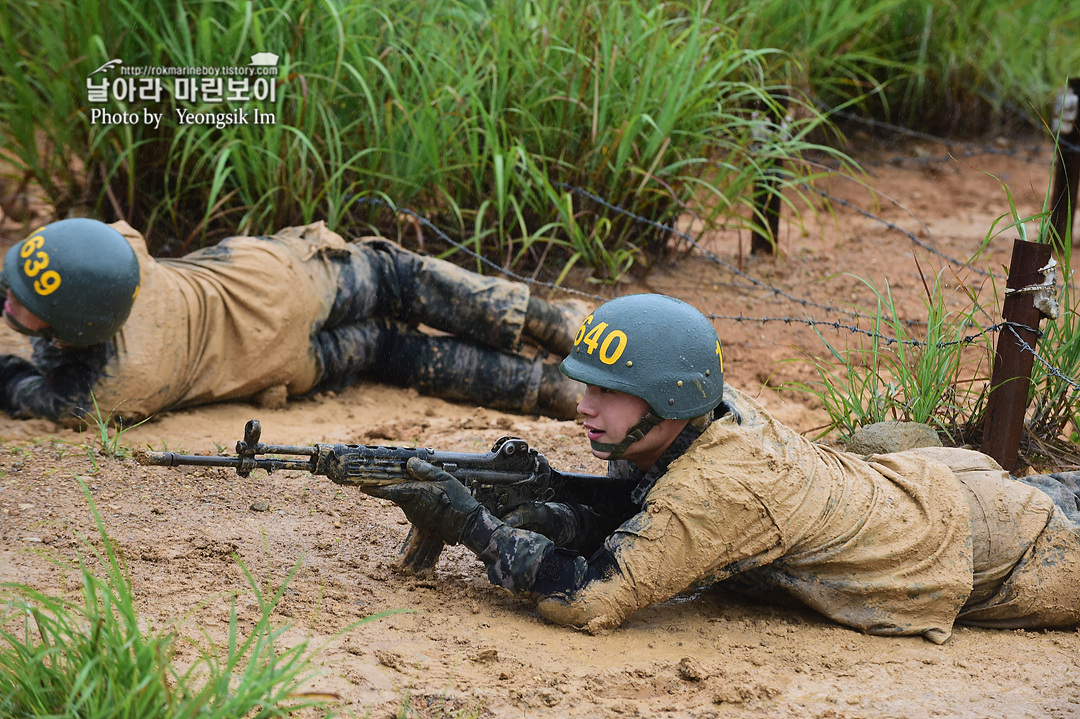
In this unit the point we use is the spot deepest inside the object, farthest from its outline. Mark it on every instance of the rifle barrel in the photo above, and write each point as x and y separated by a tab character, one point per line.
172	459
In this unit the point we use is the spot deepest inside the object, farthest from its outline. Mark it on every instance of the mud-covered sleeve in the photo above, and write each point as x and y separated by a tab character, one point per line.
676	543
668	548
56	385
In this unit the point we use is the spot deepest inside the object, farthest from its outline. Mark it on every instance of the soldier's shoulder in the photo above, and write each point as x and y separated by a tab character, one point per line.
133	237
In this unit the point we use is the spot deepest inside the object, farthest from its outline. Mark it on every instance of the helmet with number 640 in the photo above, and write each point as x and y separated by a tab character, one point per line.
79	275
654	347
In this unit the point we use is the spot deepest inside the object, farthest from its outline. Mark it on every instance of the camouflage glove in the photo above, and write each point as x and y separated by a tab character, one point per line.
436	501
570	526
13	369
551	519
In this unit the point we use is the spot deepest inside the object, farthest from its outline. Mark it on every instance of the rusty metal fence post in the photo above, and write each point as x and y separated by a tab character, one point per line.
1066	172
767	189
1011	377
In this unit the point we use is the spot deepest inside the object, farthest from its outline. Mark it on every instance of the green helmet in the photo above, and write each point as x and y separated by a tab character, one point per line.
654	347
79	275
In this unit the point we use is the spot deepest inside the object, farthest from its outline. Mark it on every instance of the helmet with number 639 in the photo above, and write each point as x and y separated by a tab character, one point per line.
79	275
654	347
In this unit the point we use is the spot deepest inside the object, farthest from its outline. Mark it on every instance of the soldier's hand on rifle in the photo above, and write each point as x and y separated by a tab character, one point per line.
573	526
551	519
436	500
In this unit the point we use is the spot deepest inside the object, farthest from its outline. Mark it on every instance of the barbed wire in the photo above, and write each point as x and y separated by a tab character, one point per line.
970	149
464	248
752	281
775	291
853	329
1028	153
1050	368
891	341
977	151
749	279
893	226
668	228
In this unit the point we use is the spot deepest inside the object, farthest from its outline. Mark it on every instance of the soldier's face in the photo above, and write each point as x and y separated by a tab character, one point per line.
21	319
610	414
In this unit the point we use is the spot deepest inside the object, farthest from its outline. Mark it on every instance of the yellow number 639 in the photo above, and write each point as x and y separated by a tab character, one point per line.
36	261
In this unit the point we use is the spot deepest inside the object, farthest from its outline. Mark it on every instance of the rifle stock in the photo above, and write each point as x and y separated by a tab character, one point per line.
507	476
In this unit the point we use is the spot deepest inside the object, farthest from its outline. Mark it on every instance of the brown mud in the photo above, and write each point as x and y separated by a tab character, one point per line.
470	646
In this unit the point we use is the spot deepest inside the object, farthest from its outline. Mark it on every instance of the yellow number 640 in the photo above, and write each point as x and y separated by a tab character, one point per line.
595	338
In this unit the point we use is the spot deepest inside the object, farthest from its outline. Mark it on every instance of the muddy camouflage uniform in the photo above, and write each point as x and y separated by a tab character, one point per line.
300	311
892	544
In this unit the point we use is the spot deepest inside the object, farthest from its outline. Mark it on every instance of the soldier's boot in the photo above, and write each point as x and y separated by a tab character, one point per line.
554	326
558	395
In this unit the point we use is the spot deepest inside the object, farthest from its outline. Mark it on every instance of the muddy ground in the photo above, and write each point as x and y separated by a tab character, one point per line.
468	646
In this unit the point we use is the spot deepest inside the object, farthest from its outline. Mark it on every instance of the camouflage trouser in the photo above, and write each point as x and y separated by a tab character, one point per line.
385	291
1063	488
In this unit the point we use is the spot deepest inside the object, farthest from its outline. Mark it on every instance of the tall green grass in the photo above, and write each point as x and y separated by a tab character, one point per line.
1055	401
471	113
938	65
937	370
933	371
96	657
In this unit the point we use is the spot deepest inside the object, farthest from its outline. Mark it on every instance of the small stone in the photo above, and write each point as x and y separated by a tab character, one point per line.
389	659
485	655
892	436
260	505
691	670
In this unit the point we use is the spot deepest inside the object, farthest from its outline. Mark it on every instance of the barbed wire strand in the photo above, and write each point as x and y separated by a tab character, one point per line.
454	243
911	236
852	329
809	321
971	149
1050	368
753	281
775	291
889	341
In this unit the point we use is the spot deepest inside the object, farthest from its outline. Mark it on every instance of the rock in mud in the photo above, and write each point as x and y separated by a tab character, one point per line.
892	436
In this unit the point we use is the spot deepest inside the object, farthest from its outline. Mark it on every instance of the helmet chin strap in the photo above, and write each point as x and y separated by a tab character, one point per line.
46	332
638	431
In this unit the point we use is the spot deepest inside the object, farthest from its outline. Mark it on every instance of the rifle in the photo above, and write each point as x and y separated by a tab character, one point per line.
507	476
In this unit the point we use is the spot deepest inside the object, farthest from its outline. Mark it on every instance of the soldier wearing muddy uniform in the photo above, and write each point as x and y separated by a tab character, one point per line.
718	491
297	312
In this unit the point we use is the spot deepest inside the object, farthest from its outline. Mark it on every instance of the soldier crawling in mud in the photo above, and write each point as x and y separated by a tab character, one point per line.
297	312
716	490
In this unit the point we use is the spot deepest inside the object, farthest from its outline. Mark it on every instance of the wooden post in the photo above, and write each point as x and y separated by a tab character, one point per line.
767	190
767	204
1066	173
1011	378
